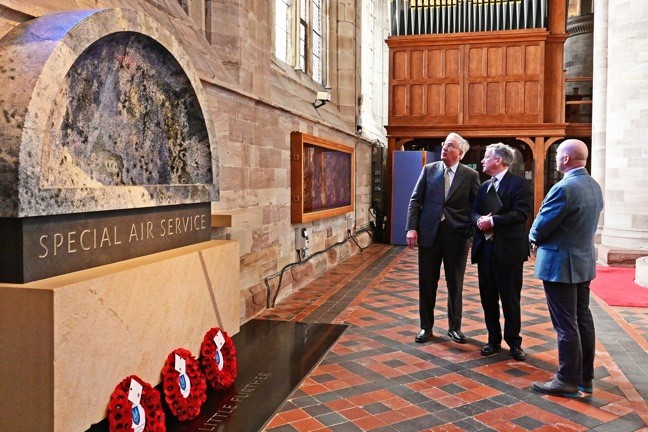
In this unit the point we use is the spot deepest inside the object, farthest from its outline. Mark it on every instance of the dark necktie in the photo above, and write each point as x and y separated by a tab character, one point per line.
493	185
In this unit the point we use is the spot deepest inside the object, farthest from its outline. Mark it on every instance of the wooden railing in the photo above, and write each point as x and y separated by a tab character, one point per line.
578	100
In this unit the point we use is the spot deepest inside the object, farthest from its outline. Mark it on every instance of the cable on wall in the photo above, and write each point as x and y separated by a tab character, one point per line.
301	261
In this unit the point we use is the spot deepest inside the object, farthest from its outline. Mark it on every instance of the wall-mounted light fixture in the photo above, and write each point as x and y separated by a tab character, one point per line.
321	99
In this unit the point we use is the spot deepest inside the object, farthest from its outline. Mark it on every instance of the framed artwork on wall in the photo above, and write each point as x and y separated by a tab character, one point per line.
322	178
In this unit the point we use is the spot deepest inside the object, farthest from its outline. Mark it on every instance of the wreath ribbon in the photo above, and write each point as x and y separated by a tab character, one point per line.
120	415
183	408
218	378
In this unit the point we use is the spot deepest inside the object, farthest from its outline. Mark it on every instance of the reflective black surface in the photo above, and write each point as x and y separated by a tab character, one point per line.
273	358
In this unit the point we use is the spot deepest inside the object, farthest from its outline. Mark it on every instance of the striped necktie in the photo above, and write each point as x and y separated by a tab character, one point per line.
447	181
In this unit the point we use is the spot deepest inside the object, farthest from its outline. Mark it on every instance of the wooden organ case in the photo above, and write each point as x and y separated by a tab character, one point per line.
489	69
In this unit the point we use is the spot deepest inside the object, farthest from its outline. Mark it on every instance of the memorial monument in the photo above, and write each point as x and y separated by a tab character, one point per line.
107	170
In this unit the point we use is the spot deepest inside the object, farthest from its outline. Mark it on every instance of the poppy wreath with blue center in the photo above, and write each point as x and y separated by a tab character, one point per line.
120	417
217	378
183	408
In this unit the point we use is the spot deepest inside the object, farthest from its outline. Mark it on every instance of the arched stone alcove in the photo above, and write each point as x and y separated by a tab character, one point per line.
101	111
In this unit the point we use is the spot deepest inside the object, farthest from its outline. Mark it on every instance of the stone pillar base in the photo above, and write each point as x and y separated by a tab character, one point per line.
619	257
641	272
67	341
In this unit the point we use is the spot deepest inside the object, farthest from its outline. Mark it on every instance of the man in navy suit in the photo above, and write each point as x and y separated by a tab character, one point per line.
438	221
563	233
500	247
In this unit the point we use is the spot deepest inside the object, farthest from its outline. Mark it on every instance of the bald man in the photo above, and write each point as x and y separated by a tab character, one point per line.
563	236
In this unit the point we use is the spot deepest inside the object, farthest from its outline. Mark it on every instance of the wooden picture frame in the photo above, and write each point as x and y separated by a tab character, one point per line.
322	178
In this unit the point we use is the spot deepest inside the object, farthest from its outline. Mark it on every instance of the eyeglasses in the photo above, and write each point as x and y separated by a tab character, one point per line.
448	144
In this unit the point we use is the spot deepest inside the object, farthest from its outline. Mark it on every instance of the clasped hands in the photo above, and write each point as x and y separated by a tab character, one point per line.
485	223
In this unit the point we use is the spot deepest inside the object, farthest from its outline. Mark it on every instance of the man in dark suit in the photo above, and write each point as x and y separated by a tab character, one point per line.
438	222
563	233
500	247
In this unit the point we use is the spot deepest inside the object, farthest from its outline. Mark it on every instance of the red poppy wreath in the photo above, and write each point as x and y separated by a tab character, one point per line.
124	416
184	385
219	365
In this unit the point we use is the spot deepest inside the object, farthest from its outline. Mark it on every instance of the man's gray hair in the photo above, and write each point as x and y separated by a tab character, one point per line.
501	150
461	142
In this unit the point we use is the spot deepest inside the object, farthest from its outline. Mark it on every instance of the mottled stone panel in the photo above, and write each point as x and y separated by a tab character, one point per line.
126	114
105	114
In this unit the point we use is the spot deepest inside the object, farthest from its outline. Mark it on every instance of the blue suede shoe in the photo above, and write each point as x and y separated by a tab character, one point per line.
586	387
555	387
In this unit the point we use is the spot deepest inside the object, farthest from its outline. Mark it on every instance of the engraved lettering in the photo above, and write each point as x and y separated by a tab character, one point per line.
81	242
44	254
58	241
105	237
216	419
71	241
115	236
133	233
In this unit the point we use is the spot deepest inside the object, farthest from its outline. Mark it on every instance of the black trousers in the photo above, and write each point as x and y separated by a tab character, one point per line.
571	317
500	283
451	249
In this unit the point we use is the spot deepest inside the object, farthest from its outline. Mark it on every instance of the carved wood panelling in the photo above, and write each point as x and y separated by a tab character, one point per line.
468	79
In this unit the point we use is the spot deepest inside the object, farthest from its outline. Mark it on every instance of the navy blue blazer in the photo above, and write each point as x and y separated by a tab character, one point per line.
565	227
427	203
511	245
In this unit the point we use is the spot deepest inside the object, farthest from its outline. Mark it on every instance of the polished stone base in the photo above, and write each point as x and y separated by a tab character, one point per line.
67	341
273	358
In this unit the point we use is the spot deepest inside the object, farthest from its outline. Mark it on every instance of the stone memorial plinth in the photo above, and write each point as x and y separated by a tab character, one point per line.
107	173
67	341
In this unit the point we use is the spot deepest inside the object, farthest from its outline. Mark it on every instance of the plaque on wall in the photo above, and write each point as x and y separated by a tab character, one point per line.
46	246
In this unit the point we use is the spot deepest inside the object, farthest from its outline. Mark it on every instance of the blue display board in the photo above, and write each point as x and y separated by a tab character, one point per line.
407	166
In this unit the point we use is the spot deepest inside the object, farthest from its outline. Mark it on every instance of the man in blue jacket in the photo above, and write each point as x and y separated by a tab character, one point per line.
563	233
438	221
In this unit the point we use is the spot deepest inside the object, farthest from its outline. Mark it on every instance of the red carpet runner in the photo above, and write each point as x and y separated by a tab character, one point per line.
616	286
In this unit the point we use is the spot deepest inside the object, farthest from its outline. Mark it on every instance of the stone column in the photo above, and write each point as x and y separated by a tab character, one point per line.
599	98
624	237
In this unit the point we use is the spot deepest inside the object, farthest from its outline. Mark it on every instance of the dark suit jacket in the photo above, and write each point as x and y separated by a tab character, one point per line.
428	203
564	229
511	244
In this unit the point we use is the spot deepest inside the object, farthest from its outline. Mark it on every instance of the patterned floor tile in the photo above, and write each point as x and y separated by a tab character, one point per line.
377	378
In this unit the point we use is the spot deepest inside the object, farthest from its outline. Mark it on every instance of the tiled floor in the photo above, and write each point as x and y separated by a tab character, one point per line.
376	377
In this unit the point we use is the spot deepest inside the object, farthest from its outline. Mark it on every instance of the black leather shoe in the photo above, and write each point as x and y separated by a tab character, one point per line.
457	336
423	336
518	353
490	349
586	387
555	387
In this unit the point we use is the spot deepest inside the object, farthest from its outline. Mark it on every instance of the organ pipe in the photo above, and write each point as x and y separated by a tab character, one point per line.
411	17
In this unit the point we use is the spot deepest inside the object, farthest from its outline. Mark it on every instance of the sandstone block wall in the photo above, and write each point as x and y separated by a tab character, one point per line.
255	102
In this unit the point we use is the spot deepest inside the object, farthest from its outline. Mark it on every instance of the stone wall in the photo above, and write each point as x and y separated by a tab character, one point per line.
255	102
